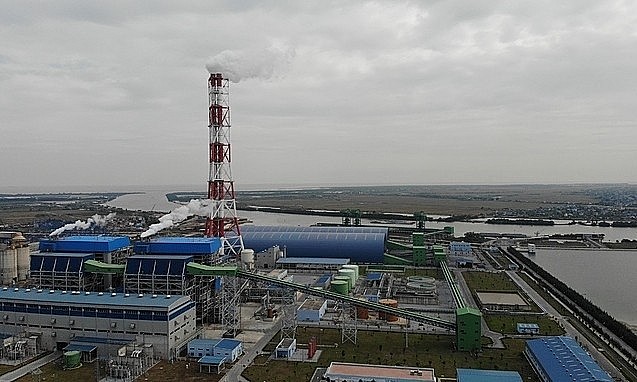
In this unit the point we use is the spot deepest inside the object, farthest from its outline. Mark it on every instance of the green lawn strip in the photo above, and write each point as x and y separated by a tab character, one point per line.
506	324
389	349
428	272
489	281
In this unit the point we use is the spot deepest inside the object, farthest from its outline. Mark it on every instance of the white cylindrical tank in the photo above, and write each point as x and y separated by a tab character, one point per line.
247	256
8	268
352	266
23	256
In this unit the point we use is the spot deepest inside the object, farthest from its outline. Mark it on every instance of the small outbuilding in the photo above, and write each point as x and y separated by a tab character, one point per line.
311	310
209	363
201	347
230	349
286	348
524	328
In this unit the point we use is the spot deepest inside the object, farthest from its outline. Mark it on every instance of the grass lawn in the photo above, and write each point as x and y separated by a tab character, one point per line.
389	349
506	324
489	281
429	272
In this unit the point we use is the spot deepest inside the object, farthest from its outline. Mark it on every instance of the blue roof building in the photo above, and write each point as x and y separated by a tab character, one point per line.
85	244
197	246
475	375
558	359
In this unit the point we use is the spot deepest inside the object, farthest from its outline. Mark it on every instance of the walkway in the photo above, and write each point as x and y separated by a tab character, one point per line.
28	368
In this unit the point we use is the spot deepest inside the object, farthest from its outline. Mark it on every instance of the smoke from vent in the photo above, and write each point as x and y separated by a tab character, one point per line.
94	221
240	65
199	207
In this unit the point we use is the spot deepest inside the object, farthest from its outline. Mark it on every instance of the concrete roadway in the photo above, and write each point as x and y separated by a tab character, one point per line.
28	368
234	374
565	323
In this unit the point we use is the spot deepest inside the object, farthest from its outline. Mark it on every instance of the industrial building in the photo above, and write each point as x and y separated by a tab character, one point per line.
561	358
476	375
165	322
311	310
367	246
342	371
285	349
63	271
229	349
108	249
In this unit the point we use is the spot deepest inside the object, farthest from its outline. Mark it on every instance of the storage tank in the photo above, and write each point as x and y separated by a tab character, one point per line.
247	258
386	316
354	267
72	359
349	273
8	269
23	260
362	312
340	287
347	279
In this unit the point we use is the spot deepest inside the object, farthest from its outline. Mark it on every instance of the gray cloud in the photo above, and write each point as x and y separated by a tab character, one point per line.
366	92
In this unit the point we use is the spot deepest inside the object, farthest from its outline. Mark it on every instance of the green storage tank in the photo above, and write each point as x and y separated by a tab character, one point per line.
340	287
349	273
347	279
72	359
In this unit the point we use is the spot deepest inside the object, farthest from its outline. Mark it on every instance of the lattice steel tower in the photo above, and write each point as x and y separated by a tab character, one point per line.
222	221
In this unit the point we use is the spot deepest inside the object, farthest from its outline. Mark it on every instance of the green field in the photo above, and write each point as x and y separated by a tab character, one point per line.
389	349
506	324
489	281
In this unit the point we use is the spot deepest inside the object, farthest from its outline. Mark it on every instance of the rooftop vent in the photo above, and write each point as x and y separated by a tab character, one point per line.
127	295
39	290
87	293
63	292
52	291
16	289
113	294
5	288
140	295
100	293
167	296
28	290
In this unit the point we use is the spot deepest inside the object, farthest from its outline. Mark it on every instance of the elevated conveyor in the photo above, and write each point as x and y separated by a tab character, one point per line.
204	270
95	266
455	291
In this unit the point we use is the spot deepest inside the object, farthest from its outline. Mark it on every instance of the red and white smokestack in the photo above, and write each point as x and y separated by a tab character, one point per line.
222	221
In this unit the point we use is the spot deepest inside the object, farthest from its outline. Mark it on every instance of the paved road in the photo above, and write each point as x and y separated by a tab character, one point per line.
234	374
26	369
565	323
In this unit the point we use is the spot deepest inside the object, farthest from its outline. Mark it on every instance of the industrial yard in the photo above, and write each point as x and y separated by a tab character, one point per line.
200	293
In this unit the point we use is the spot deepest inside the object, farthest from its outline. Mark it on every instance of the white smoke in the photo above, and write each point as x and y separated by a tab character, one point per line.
199	207
239	65
95	220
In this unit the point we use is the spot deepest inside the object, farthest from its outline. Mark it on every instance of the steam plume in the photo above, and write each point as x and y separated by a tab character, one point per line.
240	65
95	220
200	207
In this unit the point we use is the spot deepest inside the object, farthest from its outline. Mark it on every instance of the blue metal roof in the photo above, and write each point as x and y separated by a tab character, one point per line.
359	247
312	260
227	343
215	360
527	326
562	359
58	261
475	375
202	342
85	244
179	246
335	229
374	276
30	296
80	347
323	279
173	265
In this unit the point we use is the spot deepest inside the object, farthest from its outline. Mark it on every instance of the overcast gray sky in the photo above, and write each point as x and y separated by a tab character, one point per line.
358	92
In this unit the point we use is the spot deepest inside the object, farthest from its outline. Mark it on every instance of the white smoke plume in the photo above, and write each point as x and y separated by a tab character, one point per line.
95	220
199	207
239	65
